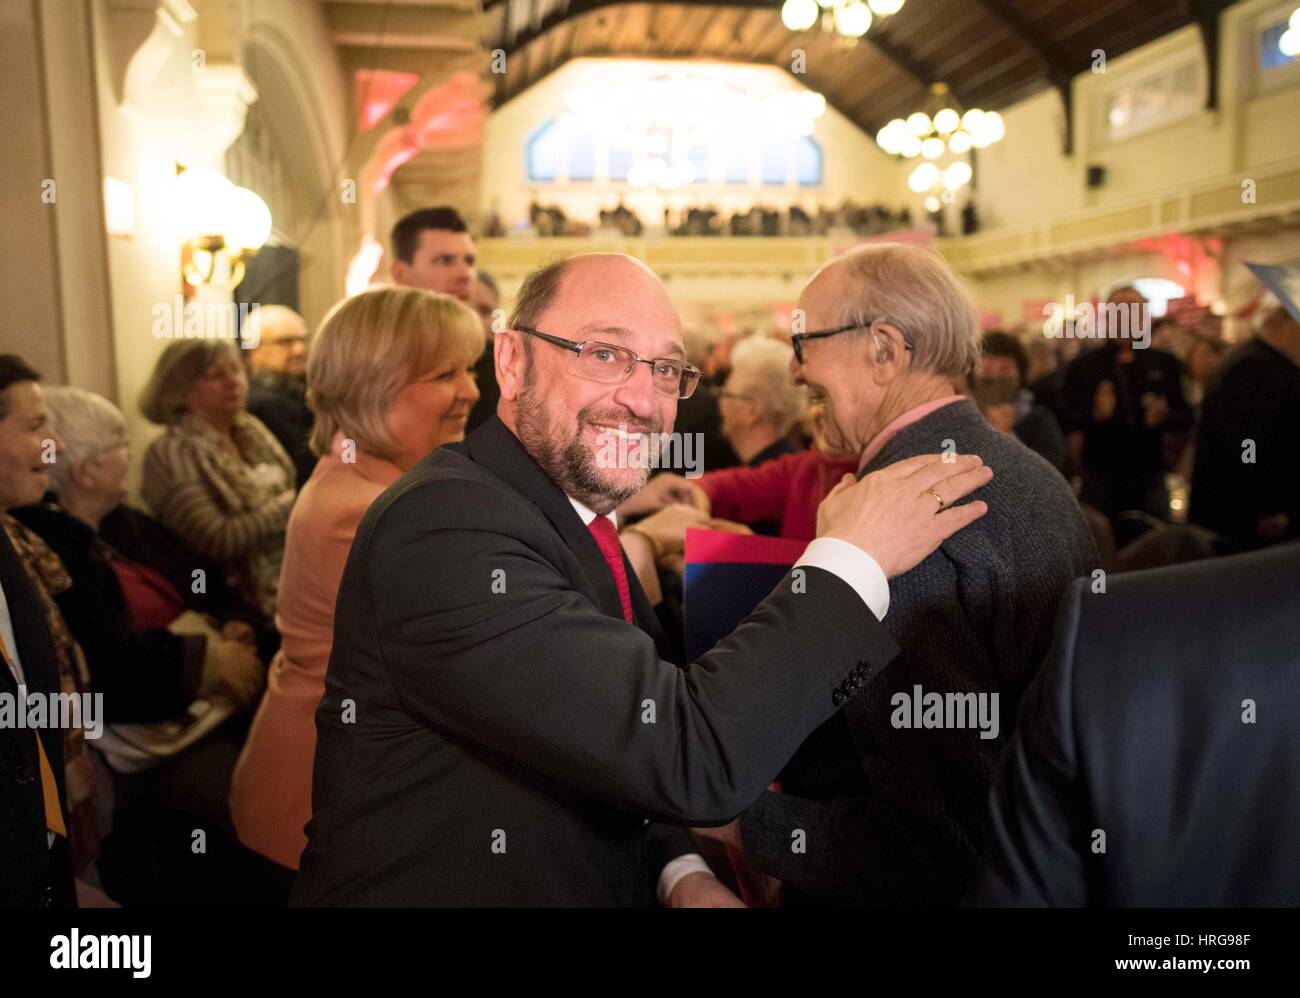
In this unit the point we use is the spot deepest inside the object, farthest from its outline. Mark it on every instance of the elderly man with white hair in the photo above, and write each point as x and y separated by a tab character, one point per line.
886	804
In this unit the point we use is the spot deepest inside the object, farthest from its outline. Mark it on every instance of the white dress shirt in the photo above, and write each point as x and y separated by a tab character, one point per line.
831	554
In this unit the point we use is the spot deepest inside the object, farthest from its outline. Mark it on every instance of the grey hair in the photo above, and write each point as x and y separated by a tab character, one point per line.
761	366
914	290
89	425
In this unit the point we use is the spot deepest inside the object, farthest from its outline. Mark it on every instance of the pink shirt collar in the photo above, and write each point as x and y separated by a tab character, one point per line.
906	419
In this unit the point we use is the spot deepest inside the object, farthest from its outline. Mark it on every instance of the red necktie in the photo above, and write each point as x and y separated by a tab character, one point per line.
607	540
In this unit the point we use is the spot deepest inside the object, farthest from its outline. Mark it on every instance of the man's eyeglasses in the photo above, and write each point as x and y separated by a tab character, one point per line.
797	340
613	364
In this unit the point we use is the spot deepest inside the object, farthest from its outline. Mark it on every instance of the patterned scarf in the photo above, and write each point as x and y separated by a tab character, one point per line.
51	578
245	487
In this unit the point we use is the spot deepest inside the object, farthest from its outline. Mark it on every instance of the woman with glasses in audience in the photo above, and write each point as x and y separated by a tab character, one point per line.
390	378
217	477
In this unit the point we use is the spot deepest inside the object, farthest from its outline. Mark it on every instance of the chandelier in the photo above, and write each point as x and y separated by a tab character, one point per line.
851	18
940	129
937	132
1289	43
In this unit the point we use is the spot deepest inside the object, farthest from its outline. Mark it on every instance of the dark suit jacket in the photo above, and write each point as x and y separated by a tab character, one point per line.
31	873
893	814
1135	728
512	734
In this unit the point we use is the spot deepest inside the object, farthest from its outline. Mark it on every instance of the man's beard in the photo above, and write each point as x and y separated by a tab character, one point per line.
569	463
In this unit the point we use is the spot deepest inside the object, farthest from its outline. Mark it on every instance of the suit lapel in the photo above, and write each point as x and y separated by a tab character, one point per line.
496	448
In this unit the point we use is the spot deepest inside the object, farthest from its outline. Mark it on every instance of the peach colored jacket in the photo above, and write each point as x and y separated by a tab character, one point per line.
270	793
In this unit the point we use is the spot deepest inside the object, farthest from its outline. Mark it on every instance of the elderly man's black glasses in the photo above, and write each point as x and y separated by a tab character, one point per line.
613	364
797	340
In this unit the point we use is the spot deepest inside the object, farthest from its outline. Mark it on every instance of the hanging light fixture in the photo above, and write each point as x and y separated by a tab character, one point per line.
937	132
941	129
847	18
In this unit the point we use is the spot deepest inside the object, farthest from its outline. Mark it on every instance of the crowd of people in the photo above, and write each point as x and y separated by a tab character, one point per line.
849	218
436	693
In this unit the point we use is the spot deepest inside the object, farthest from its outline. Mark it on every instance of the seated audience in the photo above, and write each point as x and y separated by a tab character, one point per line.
217	476
276	389
132	577
1141	774
1008	405
38	639
390	379
891	799
1246	482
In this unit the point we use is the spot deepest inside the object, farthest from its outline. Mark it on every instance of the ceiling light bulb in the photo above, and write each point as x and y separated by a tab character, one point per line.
852	20
956	175
918	123
799	15
946	121
932	148
994	126
932	204
959	142
971	120
909	145
923	177
884	8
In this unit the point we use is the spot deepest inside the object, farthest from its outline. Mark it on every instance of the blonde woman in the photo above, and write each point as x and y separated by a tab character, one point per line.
217	477
390	379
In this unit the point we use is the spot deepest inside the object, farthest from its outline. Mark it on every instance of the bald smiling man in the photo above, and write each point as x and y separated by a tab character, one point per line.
503	723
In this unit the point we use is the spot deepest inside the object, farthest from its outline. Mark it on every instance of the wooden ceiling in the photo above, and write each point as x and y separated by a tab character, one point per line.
991	53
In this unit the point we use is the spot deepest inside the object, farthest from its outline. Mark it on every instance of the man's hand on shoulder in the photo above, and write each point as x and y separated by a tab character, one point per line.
901	513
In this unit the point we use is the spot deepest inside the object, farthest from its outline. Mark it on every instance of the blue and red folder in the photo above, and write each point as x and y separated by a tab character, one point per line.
727	575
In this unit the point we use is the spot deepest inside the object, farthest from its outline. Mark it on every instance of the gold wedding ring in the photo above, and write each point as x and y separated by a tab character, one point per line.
937	498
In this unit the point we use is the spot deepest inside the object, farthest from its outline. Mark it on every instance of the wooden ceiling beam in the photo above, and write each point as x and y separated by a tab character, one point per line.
1059	70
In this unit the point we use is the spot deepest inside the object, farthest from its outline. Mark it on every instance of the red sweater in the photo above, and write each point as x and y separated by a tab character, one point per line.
789	489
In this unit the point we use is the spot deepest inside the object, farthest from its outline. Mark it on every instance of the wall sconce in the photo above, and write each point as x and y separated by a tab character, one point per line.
219	225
